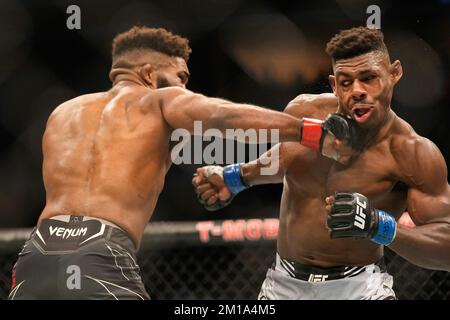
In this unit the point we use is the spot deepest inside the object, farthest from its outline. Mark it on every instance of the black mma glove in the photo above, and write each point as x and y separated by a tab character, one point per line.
340	126
352	216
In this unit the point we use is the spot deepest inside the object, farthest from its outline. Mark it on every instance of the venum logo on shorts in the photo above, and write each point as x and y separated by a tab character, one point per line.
67	232
360	217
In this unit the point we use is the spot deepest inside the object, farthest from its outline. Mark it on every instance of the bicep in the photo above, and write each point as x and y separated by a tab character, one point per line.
427	207
312	105
182	107
426	177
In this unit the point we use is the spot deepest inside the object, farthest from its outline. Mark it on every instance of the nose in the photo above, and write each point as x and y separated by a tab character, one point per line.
358	91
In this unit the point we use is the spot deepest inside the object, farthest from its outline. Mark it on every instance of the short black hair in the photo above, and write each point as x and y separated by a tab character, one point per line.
155	39
353	42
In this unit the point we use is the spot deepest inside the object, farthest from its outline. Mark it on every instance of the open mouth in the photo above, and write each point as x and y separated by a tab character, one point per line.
362	113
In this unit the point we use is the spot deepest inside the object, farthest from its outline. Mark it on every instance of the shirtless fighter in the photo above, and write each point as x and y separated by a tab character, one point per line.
105	158
335	219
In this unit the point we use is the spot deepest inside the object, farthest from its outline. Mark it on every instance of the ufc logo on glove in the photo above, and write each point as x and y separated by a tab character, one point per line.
360	218
352	216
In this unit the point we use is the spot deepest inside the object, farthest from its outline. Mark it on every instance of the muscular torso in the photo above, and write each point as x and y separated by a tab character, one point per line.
310	178
106	155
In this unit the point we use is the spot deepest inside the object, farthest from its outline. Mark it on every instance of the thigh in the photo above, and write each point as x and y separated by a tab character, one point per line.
33	274
382	287
279	286
109	271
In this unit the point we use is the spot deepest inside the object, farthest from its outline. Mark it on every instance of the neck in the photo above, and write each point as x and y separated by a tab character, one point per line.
123	75
380	132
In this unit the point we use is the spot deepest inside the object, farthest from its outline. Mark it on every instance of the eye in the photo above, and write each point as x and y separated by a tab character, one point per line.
345	83
369	77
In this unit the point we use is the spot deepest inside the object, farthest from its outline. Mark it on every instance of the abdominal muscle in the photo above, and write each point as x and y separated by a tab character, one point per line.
303	237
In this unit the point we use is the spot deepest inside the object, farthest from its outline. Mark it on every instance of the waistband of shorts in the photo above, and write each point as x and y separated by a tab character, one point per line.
109	230
74	218
312	273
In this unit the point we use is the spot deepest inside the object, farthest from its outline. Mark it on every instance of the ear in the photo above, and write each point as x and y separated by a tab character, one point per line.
396	71
332	81
147	74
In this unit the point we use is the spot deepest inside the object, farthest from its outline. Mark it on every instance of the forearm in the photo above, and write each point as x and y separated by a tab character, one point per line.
182	108
427	246
268	168
248	117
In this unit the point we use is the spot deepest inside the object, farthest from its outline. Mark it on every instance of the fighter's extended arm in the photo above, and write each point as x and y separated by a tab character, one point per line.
220	184
279	158
182	107
425	171
216	186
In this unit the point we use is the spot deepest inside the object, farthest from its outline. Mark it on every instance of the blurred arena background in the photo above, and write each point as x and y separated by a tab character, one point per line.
247	51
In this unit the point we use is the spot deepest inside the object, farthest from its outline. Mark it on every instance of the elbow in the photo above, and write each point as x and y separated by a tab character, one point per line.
442	265
446	245
439	264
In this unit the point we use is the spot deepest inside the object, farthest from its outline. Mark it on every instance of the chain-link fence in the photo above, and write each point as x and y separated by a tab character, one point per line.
204	261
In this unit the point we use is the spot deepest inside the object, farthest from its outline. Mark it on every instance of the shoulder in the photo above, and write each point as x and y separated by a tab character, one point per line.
75	103
63	110
312	105
164	97
406	144
168	93
419	160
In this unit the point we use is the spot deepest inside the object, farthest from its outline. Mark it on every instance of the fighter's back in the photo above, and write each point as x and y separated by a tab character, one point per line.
106	155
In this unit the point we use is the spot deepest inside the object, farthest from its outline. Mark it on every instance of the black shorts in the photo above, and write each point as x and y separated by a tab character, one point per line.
75	257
